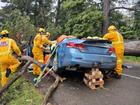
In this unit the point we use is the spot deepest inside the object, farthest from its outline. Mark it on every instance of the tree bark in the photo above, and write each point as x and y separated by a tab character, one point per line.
50	91
106	8
28	58
132	52
36	12
130	9
52	88
132	48
41	13
57	12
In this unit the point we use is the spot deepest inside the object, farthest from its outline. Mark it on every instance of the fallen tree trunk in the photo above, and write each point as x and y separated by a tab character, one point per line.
132	48
132	52
50	91
19	74
28	58
52	88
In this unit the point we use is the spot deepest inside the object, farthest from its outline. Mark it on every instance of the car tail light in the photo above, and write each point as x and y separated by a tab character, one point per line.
75	45
111	50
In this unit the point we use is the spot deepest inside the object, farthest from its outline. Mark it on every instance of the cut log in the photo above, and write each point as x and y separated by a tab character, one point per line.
18	75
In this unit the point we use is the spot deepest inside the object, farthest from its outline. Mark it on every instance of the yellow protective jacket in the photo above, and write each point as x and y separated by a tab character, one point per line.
8	46
39	41
116	39
38	49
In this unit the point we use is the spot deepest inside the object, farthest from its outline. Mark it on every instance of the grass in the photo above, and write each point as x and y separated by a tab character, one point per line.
132	59
21	93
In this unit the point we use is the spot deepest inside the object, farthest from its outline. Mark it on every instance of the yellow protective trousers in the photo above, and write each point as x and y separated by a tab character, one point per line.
119	50
6	62
38	56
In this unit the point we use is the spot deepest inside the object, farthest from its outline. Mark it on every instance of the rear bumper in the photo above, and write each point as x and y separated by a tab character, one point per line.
73	58
89	64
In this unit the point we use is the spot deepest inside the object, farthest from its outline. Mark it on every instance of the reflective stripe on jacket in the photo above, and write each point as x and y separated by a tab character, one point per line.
8	51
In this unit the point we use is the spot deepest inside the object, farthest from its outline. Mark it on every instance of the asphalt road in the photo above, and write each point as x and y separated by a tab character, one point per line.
117	92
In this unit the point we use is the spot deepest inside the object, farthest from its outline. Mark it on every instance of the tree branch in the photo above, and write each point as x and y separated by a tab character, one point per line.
130	9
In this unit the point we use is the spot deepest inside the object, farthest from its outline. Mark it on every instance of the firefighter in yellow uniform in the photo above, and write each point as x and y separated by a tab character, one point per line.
118	44
38	49
8	63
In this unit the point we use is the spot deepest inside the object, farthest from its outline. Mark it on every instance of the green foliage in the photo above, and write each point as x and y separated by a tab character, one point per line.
16	22
73	5
77	17
116	18
22	5
38	10
81	18
127	32
21	92
55	31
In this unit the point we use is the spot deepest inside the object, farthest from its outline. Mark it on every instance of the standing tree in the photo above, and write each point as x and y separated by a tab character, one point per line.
106	9
137	20
109	7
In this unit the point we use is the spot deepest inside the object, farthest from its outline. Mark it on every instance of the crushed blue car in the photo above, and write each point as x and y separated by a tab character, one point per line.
79	54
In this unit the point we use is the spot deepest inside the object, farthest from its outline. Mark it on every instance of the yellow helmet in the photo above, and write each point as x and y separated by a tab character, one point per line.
4	32
110	28
41	30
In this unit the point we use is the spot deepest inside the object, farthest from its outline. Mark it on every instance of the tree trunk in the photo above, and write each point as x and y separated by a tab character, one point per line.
57	12
36	13
132	48
132	52
50	91
41	13
106	8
